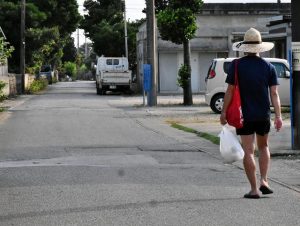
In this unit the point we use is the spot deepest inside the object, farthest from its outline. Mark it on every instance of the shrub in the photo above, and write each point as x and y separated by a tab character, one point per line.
2	96
5	50
183	75
70	69
54	79
38	85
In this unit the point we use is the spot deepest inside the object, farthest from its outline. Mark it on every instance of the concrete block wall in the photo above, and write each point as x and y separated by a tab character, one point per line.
13	83
3	70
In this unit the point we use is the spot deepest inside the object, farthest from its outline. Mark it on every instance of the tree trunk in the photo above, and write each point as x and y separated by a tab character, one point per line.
187	90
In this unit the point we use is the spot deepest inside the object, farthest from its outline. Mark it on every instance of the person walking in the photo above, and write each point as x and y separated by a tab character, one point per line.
257	81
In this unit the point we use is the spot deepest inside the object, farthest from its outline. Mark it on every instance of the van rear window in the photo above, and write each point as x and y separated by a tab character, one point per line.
112	62
116	61
109	62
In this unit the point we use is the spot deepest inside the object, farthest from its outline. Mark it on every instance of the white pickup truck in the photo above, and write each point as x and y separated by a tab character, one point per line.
112	74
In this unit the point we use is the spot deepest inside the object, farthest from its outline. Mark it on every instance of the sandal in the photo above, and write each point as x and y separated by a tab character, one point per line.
251	196
265	190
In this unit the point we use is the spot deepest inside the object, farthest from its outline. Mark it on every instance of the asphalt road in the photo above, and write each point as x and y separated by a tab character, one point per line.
70	157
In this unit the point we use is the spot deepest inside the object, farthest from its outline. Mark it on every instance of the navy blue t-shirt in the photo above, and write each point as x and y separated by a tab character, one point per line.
255	76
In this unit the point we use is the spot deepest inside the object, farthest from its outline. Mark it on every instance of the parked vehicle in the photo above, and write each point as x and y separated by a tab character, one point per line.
112	73
216	85
46	72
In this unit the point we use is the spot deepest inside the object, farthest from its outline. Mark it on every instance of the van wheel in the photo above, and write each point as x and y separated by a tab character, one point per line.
216	103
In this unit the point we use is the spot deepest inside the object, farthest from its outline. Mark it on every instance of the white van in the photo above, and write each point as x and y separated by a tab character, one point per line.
216	85
112	73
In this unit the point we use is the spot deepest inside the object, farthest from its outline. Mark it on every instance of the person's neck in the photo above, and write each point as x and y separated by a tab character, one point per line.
252	54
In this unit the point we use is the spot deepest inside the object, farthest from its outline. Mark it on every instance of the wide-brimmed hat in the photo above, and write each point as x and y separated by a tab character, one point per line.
252	43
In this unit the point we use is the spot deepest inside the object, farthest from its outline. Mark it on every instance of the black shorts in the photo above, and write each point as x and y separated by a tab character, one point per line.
259	127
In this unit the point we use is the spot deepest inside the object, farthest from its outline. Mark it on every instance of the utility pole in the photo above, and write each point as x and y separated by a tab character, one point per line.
22	46
85	48
152	52
296	75
125	29
77	40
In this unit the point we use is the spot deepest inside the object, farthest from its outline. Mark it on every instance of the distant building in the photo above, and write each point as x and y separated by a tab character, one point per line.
280	32
219	25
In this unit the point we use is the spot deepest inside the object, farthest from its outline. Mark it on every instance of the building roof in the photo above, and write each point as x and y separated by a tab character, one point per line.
246	8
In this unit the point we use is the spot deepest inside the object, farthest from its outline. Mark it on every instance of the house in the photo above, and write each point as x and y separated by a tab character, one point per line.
219	25
280	32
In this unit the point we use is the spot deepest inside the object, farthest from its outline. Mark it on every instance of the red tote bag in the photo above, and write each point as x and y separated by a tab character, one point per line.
234	114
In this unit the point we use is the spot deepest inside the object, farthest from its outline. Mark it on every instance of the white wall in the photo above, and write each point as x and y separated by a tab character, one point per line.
168	69
3	70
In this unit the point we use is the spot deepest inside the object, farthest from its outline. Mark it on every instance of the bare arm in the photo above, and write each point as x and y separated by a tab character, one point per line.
227	100
277	107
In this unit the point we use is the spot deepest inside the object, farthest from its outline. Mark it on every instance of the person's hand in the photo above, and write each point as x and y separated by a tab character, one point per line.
278	123
223	120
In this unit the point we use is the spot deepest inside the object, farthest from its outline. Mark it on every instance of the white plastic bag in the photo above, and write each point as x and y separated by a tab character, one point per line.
230	147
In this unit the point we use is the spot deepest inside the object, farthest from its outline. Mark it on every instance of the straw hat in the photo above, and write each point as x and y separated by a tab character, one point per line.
252	43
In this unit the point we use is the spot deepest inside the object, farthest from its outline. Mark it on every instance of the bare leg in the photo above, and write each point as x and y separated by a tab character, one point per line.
249	161
264	158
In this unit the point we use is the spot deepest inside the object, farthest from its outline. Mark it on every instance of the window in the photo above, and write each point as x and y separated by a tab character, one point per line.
280	69
45	68
116	61
109	62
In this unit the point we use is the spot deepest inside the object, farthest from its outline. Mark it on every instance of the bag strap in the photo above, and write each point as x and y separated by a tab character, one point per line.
236	73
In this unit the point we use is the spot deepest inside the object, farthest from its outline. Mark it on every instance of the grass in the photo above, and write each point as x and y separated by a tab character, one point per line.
212	138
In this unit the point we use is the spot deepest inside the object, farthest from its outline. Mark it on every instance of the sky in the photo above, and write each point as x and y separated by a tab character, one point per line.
134	10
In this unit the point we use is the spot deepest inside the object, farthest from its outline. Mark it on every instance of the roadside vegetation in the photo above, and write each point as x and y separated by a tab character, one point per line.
5	51
37	85
2	96
70	69
212	138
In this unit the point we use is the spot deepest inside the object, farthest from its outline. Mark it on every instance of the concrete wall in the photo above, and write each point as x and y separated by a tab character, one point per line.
13	83
3	70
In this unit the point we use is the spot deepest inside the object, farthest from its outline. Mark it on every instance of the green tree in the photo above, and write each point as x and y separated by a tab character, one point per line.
176	22
5	51
10	23
49	25
104	25
62	14
47	48
69	50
